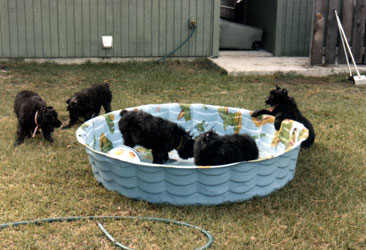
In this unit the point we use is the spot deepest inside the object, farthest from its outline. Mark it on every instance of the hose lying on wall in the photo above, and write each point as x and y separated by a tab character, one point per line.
192	25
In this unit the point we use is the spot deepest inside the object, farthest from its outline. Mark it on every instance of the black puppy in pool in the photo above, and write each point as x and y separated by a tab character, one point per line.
212	149
283	107
141	128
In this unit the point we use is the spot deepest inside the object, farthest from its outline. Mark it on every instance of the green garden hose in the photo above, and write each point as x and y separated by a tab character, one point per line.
110	237
193	27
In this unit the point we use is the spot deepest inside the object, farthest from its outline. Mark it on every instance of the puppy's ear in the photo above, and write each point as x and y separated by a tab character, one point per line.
123	112
209	134
72	100
278	87
205	137
284	91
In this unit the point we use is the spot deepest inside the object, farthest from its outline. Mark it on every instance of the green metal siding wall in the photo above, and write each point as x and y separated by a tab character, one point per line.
286	25
294	27
262	14
73	28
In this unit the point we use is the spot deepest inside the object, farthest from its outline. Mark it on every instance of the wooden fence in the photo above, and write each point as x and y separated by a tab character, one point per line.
326	47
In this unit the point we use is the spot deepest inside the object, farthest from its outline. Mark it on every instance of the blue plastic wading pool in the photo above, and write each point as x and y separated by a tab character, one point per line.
181	182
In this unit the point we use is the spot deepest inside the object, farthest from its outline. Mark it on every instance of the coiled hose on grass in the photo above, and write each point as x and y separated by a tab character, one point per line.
110	237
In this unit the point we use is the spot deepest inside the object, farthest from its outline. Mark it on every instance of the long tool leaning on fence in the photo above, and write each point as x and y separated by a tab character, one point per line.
359	79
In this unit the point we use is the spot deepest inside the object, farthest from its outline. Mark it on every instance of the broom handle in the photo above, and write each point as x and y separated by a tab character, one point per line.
345	40
345	51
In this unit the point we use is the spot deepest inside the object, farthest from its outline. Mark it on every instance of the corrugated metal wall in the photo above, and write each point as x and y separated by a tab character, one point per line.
286	25
140	28
262	14
295	27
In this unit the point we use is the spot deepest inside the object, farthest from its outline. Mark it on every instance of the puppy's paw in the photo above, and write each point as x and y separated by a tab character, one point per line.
158	161
277	125
50	140
66	124
256	113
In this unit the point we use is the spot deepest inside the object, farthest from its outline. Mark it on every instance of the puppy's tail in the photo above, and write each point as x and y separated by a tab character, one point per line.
310	140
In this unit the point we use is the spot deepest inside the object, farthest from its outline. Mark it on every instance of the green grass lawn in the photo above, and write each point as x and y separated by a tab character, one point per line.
324	206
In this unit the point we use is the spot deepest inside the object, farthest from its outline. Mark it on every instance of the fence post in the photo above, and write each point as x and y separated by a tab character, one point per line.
347	16
359	30
332	32
316	55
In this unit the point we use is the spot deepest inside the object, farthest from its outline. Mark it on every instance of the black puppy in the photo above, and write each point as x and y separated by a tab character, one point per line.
213	149
33	113
87	103
160	135
284	107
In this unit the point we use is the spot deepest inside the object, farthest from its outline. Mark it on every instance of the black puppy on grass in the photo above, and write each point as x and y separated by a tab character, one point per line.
87	103
212	149
33	113
141	128
283	107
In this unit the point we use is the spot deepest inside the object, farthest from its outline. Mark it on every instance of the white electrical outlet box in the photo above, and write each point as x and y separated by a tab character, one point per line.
107	42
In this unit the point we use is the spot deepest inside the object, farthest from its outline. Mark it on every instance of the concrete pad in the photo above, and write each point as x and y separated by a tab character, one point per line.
264	63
